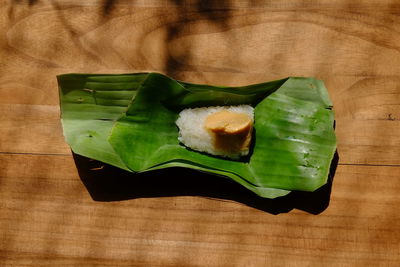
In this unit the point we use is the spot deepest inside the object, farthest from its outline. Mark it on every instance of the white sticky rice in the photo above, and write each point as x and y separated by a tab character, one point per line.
194	135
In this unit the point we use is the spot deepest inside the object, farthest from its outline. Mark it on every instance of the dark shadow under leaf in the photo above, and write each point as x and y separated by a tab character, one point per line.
108	183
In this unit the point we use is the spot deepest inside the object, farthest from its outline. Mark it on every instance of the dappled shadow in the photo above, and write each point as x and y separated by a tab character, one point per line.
108	183
29	2
108	6
12	4
217	13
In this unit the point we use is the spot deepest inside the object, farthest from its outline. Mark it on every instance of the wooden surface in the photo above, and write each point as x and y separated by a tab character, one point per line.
54	210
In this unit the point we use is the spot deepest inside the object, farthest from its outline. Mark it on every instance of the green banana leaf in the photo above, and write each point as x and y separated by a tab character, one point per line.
129	121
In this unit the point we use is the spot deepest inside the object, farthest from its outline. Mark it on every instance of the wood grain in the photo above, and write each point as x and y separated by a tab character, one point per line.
47	215
355	50
44	202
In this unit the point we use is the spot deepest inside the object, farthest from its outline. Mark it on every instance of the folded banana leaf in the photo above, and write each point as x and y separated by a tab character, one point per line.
128	121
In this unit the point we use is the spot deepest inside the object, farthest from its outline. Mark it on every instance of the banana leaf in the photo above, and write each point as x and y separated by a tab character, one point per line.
128	121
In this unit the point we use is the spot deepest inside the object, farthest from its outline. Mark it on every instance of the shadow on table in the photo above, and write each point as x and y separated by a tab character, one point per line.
108	183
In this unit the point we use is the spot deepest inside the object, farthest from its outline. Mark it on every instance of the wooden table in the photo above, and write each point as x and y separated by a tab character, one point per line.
49	216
